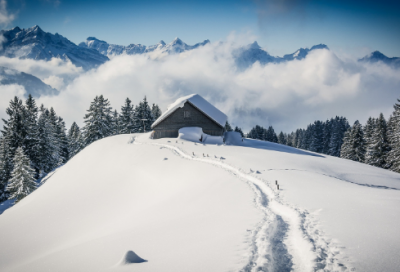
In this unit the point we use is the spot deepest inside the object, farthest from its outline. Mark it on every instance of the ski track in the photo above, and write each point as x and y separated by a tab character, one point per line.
287	238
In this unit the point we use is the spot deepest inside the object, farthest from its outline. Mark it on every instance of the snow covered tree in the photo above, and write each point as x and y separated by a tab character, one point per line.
394	154
228	126
61	135
22	181
5	168
317	134
126	119
31	140
46	148
143	116
116	123
281	138
238	129
327	131
270	135
75	140
378	145
98	120
155	110
339	127
15	129
353	147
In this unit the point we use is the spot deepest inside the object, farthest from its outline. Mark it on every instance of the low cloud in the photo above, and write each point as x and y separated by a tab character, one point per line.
5	16
286	95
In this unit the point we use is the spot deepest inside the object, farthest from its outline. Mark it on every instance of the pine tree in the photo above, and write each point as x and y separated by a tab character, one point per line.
270	135
327	133
228	126
238	129
353	147
143	116
281	138
31	141
62	141
339	127
5	168
317	134
155	110
15	130
116	123
98	120
378	146
126	119
75	140
394	154
22	181
46	149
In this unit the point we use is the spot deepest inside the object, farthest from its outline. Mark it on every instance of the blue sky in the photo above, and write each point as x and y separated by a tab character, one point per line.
280	26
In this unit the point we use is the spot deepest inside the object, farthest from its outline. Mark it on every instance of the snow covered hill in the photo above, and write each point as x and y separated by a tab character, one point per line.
176	46
34	43
32	84
129	203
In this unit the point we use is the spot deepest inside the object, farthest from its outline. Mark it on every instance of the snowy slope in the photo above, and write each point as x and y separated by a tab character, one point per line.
34	43
186	206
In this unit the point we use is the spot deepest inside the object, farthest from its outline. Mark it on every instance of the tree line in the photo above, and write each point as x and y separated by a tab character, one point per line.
377	143
34	140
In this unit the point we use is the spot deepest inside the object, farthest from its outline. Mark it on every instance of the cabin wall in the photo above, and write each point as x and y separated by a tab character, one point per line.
170	126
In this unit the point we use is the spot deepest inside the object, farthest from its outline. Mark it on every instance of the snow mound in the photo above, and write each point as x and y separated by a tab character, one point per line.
193	134
196	134
130	258
233	138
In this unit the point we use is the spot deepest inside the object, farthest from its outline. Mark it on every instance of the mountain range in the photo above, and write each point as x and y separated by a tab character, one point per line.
32	84
34	43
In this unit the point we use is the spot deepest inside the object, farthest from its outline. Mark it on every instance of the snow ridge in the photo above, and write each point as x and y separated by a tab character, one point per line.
287	239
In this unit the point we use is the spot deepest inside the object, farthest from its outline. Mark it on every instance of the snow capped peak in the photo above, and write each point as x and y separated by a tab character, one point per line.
177	41
319	46
162	42
254	45
35	28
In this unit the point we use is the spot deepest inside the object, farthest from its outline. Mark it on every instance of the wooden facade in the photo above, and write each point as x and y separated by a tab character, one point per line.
187	116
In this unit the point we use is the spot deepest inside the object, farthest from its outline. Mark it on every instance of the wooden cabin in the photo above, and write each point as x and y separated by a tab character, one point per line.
189	111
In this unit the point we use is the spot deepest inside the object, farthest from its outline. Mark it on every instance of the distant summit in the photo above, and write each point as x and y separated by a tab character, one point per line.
377	56
34	43
248	55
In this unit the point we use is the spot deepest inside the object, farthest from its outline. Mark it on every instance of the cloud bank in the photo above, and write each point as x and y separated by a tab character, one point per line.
286	95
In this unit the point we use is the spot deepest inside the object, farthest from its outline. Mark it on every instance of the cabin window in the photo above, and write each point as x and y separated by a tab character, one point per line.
186	114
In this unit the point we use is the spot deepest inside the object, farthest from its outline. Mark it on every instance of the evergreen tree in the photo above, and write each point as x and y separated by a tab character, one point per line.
62	141
31	141
116	123
98	120
22	181
339	127
126	120
281	138
353	147
327	134
75	140
5	168
15	130
46	149
238	129
270	135
143	116
155	110
378	146
394	154
317	134
228	126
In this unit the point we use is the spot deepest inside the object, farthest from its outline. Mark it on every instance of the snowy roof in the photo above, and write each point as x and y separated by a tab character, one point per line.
200	103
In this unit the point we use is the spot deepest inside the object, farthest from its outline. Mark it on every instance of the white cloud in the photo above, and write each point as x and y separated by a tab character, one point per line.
5	16
287	95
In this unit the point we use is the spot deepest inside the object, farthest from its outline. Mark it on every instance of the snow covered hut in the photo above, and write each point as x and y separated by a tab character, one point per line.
189	111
